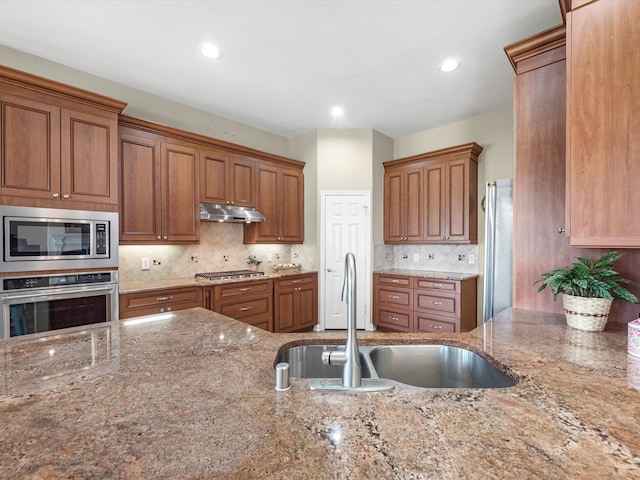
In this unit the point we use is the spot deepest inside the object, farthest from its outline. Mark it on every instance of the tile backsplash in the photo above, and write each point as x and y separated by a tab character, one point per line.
439	258
220	249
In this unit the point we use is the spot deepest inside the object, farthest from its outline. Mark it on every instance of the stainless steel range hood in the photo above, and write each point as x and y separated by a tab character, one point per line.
212	212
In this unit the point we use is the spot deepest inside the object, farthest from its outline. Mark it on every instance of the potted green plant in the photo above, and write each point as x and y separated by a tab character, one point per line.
253	262
588	288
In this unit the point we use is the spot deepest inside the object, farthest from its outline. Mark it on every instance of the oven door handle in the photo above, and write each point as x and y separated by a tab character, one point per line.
62	293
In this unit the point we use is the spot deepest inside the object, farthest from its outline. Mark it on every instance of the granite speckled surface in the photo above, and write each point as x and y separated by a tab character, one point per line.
428	274
192	396
141	286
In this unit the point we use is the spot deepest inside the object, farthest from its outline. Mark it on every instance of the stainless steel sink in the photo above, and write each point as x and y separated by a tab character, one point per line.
306	362
436	366
426	366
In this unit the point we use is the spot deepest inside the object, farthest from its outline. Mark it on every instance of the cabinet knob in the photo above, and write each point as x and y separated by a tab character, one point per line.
159	237
56	195
66	196
165	237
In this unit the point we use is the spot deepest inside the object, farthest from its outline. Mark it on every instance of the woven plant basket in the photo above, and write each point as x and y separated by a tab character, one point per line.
588	314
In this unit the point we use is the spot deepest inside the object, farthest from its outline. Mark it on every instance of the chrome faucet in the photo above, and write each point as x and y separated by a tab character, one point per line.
349	358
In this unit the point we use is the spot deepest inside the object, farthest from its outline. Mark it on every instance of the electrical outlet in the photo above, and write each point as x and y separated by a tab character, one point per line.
225	258
461	257
194	259
416	257
157	261
144	264
405	256
472	259
432	256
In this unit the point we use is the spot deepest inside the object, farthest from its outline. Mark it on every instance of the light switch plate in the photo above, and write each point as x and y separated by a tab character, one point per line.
144	264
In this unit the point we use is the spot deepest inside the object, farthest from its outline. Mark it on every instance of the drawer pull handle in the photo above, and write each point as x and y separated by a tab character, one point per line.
296	281
436	285
395	281
246	289
436	326
163	299
395	297
433	302
245	309
394	318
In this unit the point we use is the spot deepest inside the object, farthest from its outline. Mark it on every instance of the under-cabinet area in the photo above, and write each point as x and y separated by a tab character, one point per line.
415	301
276	303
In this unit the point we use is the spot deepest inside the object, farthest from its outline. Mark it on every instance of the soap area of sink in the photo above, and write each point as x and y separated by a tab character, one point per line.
418	365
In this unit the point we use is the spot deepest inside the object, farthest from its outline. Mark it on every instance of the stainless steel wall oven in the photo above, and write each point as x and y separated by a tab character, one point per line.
41	303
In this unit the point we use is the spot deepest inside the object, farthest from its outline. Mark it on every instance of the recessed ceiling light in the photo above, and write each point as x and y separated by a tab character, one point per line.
210	51
449	65
337	111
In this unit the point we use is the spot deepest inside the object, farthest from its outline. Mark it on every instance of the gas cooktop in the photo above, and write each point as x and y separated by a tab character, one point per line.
229	275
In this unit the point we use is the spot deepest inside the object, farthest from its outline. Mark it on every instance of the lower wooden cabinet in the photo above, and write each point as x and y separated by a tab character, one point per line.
296	302
158	301
250	302
407	303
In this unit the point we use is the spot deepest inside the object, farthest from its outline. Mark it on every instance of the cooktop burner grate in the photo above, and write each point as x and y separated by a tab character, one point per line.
229	275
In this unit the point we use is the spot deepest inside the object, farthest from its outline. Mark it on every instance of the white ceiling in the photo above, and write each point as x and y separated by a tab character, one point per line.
286	63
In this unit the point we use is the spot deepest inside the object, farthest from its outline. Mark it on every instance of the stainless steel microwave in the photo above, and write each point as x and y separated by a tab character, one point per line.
37	239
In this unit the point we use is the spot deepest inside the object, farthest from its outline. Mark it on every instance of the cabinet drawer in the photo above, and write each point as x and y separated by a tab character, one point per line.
243	288
246	308
156	301
397	320
400	281
394	296
435	284
296	281
426	300
427	324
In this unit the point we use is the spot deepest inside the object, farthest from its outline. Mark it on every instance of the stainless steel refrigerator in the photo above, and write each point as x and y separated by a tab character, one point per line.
498	253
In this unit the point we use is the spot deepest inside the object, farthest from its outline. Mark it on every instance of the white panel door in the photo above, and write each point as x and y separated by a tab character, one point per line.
345	229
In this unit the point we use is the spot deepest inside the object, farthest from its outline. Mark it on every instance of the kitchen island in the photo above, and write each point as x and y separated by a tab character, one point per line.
192	396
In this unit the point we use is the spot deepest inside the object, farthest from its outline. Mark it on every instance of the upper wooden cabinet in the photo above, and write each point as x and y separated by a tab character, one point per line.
280	198
603	125
227	178
404	204
159	189
58	144
432	197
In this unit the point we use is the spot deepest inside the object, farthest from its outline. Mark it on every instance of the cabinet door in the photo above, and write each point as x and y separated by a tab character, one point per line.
434	184
307	300
285	315
291	205
89	157
29	148
267	203
214	177
460	204
242	180
393	211
404	205
603	123
180	201
140	188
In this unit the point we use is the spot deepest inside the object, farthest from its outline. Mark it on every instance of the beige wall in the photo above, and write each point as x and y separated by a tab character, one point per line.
151	107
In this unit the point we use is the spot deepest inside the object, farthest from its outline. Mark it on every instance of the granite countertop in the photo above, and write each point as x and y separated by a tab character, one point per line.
144	285
428	274
192	396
